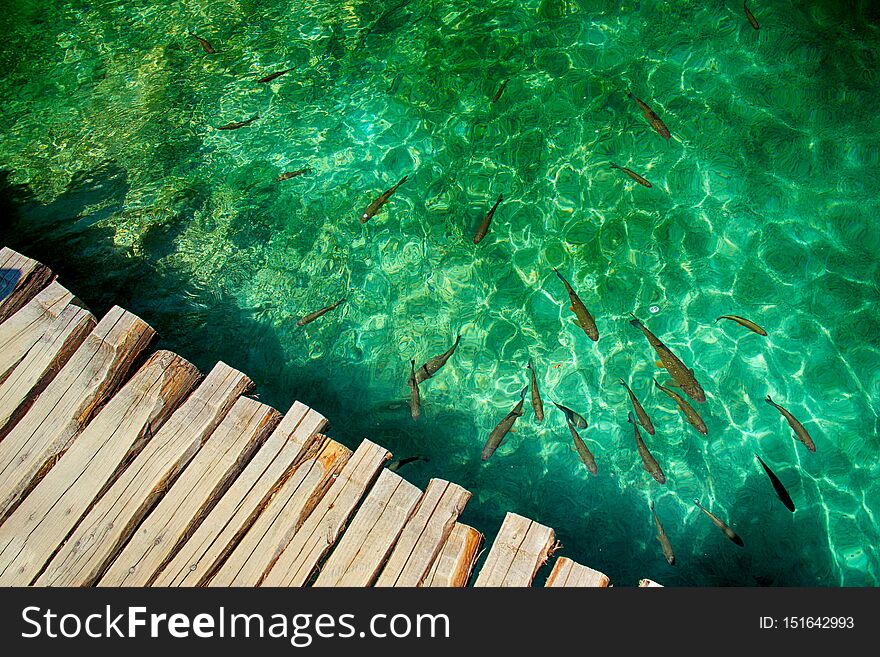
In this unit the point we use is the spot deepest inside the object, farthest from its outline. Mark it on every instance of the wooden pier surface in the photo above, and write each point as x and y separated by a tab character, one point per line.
122	467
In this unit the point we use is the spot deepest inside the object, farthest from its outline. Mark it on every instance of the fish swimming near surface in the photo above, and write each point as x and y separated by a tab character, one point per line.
632	174
781	493
742	321
311	317
751	17
235	125
483	228
648	461
430	368
798	428
287	175
652	117
683	376
689	413
376	205
665	545
395	83
394	466
272	76
497	435
415	401
537	402
728	532
585	319
204	43
644	420
575	418
499	92
583	451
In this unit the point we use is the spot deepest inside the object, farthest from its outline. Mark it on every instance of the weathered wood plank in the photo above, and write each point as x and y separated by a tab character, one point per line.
454	564
194	493
520	549
32	534
220	532
283	514
424	534
20	280
67	404
366	543
108	525
649	584
567	573
319	532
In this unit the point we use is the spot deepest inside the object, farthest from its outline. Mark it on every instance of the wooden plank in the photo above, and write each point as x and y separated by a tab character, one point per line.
283	515
319	532
367	542
111	521
220	532
649	584
67	404
32	534
204	480
42	362
20	280
454	564
567	573
521	547
424	534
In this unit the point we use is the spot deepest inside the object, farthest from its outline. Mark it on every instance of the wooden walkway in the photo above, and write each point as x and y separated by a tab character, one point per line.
122	467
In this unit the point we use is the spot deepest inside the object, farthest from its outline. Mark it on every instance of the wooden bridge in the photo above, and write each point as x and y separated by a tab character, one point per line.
119	467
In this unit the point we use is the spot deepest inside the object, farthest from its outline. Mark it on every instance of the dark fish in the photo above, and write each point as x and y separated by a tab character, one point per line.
395	83
728	532
394	466
430	368
585	319
682	375
777	486
648	461
537	402
500	91
583	451
287	175
799	430
376	205
484	225
235	125
689	413
652	117
751	17
272	76
498	433
575	418
415	401
207	47
742	321
311	317
632	174
665	545
644	420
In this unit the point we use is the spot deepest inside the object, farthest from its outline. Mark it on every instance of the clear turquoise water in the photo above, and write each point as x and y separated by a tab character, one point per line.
764	204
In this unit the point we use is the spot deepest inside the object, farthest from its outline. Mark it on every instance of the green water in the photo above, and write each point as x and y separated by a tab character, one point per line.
764	204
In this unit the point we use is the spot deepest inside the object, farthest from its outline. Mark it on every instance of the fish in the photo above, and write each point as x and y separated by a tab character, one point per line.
585	319
665	545
742	321
652	117
751	17
644	420
287	175
583	451
799	430
376	205
206	46
235	125
648	461
272	76
497	435
430	368
728	532
537	402
484	225
781	493
500	91
311	317
689	413
394	466
415	401
632	174
575	418
682	375
395	83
